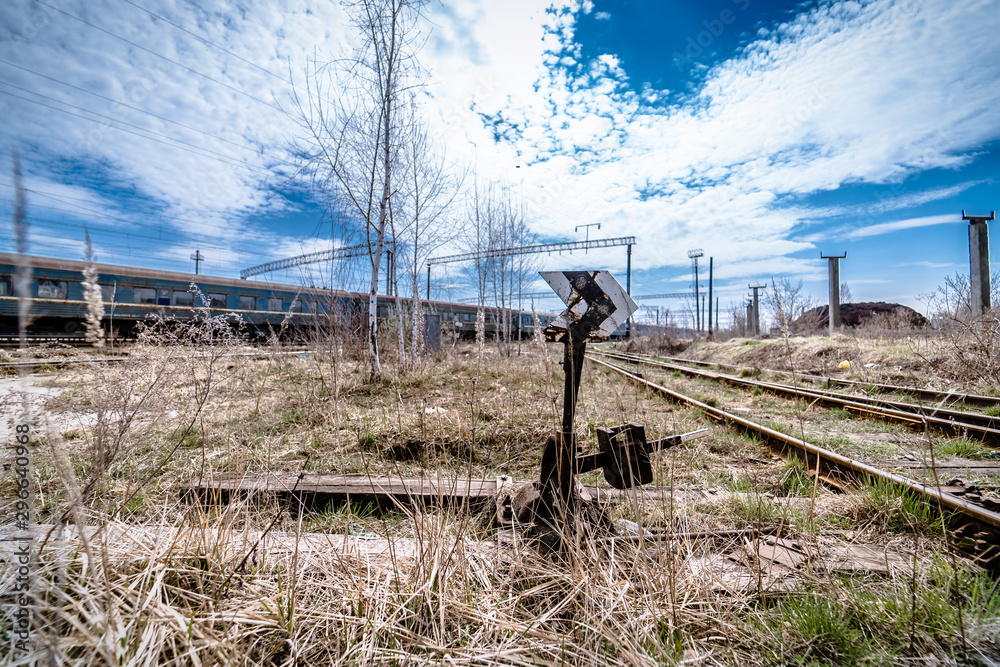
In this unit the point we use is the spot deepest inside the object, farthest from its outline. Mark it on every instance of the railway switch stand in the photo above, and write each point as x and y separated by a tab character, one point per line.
596	305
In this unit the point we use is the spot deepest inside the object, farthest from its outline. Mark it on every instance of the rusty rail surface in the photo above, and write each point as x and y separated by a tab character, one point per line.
946	420
932	395
842	471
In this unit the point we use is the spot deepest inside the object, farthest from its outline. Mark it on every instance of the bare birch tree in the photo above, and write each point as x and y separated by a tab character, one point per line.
500	274
354	118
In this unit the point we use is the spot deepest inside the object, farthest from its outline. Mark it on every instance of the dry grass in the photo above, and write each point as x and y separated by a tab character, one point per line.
136	576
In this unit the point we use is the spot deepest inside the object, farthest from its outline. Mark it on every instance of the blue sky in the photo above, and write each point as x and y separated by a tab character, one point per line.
764	133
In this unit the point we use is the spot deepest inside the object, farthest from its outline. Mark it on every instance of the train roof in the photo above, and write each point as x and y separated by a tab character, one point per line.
156	274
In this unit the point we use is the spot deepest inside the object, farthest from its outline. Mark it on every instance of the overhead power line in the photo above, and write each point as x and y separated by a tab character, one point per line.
211	43
666	295
160	55
126	105
308	258
534	249
197	150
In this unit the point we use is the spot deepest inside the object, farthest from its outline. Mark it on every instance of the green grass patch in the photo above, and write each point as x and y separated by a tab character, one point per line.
891	507
796	481
960	448
855	621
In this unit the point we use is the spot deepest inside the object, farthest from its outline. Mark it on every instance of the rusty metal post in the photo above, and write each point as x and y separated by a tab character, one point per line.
574	350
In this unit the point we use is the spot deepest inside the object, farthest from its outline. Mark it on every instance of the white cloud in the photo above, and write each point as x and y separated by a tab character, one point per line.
898	225
928	265
844	93
602	16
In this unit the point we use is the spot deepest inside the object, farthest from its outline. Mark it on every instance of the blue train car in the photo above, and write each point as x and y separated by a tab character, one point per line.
132	294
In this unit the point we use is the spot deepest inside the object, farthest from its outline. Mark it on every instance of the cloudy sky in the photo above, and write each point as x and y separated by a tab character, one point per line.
763	132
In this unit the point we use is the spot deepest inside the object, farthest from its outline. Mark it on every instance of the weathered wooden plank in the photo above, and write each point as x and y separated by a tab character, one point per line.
317	490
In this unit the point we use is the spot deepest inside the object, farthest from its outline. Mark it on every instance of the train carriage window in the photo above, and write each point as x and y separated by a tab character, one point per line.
144	295
248	303
274	305
216	300
296	306
52	289
182	299
312	307
109	293
6	287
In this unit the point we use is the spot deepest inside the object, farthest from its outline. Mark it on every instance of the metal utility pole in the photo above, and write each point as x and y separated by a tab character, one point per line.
694	255
756	307
710	267
979	262
587	227
834	289
198	259
628	288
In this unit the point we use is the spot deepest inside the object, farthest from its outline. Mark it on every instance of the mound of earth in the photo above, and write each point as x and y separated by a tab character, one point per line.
891	315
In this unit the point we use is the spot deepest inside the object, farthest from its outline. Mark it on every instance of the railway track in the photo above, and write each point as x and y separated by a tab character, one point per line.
959	423
973	521
34	340
92	360
918	393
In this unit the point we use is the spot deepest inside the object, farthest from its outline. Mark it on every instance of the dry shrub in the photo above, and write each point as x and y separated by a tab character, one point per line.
972	348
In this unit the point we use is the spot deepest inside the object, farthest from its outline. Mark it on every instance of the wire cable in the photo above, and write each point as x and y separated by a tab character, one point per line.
159	55
127	106
205	152
211	43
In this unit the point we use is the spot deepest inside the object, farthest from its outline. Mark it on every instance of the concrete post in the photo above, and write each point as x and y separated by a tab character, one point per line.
756	307
979	262
834	318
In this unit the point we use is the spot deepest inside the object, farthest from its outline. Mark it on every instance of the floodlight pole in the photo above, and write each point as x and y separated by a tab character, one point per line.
587	227
694	254
710	268
979	262
834	289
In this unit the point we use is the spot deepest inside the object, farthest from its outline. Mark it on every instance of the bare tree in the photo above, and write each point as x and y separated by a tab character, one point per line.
430	188
498	227
952	300
354	143
846	295
786	302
